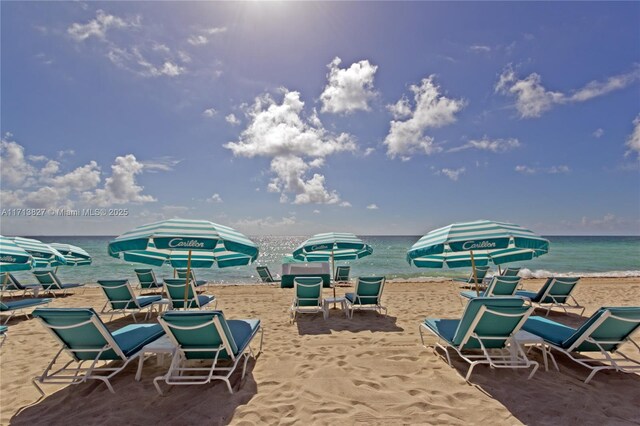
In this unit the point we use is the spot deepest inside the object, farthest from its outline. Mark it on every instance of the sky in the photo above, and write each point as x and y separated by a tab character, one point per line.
297	118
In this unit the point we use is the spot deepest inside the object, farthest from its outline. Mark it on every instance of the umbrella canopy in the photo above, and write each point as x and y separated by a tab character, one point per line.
332	246
43	254
180	242
484	240
12	257
74	255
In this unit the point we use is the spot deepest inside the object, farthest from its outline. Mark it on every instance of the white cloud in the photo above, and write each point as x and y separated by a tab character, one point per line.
369	151
348	89
160	164
15	168
372	207
552	170
452	174
215	30
209	112
432	109
633	141
480	48
598	133
316	212
197	40
232	119
201	39
401	109
525	169
215	198
486	144
345	204
532	99
99	26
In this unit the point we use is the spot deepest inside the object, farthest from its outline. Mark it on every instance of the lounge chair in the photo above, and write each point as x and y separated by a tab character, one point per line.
147	279
50	282
10	283
18	307
307	297
342	276
3	334
85	338
265	275
481	272
207	335
556	292
175	291
182	273
367	295
487	326
498	286
121	299
603	333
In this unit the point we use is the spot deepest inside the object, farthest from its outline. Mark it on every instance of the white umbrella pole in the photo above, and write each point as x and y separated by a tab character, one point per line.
475	273
186	287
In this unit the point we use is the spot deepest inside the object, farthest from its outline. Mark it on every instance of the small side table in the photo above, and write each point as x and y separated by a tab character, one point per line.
160	347
335	300
524	338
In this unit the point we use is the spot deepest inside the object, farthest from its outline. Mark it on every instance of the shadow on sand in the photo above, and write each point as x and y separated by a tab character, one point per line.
337	321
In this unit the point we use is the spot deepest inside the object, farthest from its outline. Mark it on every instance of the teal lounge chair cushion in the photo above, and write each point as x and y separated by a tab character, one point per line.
549	330
242	331
3	329
528	294
19	304
445	328
134	337
471	294
147	300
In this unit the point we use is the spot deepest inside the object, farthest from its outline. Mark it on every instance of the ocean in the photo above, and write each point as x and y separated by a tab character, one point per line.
596	256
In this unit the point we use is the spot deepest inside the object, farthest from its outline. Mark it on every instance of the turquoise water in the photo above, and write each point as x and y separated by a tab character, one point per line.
584	256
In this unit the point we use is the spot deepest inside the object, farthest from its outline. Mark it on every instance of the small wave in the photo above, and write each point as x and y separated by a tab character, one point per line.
543	273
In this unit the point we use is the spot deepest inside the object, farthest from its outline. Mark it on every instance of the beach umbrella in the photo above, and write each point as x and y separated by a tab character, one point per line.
332	246
476	243
185	243
74	255
43	254
13	258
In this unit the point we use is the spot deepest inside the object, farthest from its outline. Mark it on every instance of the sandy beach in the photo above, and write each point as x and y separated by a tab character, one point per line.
368	370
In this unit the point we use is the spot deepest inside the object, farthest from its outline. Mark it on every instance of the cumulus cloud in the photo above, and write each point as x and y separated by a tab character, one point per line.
553	170
431	110
453	174
348	89
99	26
598	133
372	207
232	119
215	198
295	143
15	168
533	99
633	141
487	144
209	112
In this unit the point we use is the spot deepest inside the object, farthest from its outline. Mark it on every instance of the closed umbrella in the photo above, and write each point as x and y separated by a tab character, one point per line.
476	243
74	255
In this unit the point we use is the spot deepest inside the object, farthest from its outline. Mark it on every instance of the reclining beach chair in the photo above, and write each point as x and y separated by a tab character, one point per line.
487	326
556	292
366	295
265	274
121	299
86	339
182	273
3	334
175	292
342	276
511	271
207	335
147	279
307	297
603	333
18	307
481	272
498	286
50	282
10	283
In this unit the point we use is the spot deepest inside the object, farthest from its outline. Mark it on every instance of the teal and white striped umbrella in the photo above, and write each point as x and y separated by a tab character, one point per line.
43	254
488	241
12	257
74	255
174	241
332	246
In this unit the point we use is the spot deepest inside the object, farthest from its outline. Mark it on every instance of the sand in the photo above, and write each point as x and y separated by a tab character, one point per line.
368	370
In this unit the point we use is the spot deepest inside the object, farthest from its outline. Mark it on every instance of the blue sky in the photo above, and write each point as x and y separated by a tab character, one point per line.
287	118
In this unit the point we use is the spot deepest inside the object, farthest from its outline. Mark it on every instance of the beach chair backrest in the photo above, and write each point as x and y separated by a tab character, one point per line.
495	317
265	274
502	286
48	279
81	332
608	326
182	273
119	294
146	277
368	290
559	289
342	273
9	282
200	334
308	290
481	272
511	272
175	291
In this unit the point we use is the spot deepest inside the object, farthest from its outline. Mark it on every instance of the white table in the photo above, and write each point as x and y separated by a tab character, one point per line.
162	346
334	300
524	338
